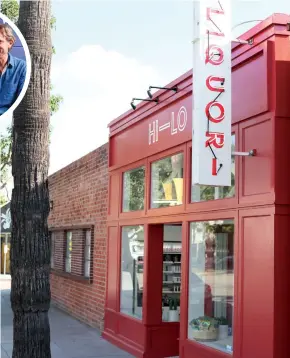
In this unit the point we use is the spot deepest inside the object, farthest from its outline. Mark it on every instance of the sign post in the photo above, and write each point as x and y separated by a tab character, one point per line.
211	147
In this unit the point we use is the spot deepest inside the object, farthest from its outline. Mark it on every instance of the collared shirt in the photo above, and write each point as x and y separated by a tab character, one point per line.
11	82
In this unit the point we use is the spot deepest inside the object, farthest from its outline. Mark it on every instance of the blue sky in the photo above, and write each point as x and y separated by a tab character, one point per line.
157	33
110	51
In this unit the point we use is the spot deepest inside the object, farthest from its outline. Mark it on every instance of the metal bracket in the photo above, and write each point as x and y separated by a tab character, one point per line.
251	153
244	42
156	100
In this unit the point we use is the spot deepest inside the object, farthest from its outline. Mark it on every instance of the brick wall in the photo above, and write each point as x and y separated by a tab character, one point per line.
80	194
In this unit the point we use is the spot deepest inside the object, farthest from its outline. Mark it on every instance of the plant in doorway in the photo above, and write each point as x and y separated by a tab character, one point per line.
173	314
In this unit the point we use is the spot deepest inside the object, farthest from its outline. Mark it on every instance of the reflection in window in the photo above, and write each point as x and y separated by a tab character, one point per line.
132	270
87	254
211	284
68	251
133	189
167	182
205	192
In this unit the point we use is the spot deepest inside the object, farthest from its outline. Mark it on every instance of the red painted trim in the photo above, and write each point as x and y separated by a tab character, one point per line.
275	19
145	275
266	197
123	344
184	280
118	284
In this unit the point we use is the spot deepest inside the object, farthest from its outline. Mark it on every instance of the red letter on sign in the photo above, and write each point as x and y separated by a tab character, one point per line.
216	139
208	17
214	55
214	166
210	79
220	107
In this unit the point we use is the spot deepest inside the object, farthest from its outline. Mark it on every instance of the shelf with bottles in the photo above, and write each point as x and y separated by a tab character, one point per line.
172	270
175	289
172	262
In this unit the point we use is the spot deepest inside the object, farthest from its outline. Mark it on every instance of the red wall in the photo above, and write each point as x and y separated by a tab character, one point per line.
79	193
260	120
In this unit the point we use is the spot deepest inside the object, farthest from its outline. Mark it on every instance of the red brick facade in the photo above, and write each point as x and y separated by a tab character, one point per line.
79	196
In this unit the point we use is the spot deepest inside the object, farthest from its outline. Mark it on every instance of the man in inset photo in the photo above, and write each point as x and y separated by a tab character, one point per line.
12	70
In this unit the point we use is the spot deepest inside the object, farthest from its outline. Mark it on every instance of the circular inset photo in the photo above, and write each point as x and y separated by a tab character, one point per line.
15	66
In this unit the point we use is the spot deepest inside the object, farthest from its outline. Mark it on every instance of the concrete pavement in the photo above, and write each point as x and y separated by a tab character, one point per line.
69	337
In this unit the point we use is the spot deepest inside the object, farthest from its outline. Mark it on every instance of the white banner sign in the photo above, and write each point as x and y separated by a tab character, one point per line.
211	147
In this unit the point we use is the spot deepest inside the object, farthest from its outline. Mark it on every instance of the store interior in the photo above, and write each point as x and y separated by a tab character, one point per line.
211	279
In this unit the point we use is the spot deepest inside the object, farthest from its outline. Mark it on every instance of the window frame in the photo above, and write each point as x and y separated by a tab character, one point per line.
137	213
120	233
233	216
85	259
171	209
122	189
66	257
60	232
214	204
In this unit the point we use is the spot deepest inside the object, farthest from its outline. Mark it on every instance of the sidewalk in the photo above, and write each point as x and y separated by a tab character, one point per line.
69	337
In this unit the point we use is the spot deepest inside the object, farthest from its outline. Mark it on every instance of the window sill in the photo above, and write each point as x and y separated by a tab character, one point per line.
72	277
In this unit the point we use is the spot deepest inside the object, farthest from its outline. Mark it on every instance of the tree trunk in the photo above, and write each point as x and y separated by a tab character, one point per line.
30	245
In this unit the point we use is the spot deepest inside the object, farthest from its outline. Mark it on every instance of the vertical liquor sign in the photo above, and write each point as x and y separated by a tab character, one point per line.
211	147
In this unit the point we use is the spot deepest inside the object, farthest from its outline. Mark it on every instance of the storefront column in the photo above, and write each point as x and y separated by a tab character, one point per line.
153	277
161	338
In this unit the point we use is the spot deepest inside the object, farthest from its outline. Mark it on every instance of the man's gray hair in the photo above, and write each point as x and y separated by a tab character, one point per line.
6	31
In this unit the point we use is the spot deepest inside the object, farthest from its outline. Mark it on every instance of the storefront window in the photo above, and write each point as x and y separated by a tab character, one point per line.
87	253
211	284
132	270
204	192
133	189
167	182
68	252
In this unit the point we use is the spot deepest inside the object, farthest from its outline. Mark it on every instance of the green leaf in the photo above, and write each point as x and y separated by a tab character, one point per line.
10	8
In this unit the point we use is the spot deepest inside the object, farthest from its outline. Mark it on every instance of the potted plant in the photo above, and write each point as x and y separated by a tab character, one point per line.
173	314
204	328
223	327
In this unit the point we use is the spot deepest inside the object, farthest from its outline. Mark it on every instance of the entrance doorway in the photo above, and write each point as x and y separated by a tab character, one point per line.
171	284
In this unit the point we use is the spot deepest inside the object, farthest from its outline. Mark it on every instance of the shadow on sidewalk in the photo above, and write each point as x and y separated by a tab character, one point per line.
69	337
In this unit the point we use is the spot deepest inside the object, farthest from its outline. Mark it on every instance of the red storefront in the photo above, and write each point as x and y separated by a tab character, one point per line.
203	271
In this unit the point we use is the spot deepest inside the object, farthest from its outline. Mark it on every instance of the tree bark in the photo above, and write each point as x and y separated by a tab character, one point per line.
30	245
